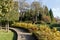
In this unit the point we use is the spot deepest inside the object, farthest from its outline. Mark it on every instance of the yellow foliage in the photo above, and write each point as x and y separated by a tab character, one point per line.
43	32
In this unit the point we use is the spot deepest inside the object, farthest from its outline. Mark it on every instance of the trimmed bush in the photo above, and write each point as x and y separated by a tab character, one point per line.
43	32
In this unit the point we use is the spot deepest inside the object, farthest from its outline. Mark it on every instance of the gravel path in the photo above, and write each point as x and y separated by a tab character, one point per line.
22	35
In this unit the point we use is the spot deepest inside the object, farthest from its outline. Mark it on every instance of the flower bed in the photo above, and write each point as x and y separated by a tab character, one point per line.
43	32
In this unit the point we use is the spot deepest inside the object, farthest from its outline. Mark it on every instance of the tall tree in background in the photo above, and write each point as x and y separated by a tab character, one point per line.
46	15
46	12
21	8
51	15
35	7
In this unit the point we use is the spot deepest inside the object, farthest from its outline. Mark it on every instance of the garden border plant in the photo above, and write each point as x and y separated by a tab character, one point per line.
43	32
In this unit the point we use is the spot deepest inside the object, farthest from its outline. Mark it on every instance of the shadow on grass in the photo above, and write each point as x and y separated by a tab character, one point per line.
15	35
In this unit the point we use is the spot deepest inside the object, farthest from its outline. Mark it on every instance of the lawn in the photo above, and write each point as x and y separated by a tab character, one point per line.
6	35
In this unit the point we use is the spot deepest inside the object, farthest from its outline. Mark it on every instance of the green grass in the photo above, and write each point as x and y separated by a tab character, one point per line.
6	35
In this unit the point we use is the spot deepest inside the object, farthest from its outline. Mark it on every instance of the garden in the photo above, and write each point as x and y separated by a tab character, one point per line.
34	17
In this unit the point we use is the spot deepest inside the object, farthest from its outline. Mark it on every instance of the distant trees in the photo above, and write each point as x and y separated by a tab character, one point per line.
36	12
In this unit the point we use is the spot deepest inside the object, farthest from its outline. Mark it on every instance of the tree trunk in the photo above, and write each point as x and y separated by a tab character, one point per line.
0	26
36	18
33	20
7	27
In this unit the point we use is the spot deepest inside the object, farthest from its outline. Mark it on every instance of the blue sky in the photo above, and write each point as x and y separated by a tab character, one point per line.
53	4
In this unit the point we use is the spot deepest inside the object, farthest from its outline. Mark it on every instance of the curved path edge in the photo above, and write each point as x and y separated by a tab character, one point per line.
15	34
21	35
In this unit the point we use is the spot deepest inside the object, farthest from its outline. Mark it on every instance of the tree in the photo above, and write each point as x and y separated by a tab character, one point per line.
22	6
1	18
51	15
45	14
46	11
1	15
35	7
10	13
26	5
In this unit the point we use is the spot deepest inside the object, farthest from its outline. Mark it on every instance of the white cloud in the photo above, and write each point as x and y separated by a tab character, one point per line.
56	12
